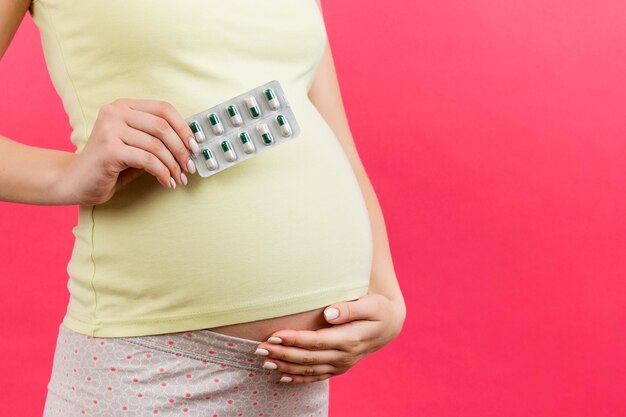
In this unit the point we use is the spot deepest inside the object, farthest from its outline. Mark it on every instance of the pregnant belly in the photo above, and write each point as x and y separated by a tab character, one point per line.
249	251
261	330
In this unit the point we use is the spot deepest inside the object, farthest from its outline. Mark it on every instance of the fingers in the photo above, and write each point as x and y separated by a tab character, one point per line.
308	339
133	157
142	140
166	111
367	307
159	128
297	369
299	379
301	365
341	338
302	356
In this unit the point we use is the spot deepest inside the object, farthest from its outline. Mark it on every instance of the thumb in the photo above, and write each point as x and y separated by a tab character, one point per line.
360	309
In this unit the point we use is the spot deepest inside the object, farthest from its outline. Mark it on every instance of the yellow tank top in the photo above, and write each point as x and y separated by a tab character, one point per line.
284	232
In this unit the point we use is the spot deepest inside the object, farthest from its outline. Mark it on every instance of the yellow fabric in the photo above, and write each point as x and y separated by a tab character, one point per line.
284	232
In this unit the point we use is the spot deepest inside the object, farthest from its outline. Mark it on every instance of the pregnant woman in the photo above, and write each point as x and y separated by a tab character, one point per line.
234	295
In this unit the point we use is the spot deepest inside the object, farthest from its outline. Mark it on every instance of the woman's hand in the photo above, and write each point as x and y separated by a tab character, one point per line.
362	327
129	137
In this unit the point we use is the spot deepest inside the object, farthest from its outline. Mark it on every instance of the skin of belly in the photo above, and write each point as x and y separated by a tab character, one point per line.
261	330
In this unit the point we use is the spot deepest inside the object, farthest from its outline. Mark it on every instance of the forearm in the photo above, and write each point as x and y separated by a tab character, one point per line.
31	175
383	279
326	96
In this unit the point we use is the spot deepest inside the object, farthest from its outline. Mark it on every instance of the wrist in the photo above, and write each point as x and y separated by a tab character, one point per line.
397	308
60	181
399	313
396	301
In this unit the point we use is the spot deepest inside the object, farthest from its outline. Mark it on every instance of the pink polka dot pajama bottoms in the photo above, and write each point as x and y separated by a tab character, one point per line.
197	373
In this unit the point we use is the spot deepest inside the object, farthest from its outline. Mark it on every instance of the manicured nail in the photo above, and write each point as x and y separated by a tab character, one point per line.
275	340
331	313
262	352
191	167
270	365
193	145
172	182
183	178
286	379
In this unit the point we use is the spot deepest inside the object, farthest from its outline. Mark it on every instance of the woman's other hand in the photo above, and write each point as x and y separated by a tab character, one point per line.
129	136
362	327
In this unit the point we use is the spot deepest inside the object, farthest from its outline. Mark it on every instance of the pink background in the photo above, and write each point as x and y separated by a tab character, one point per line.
494	134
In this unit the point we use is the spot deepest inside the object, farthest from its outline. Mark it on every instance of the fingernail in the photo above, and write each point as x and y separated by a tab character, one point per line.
172	182
286	379
270	365
262	352
191	167
193	145
183	178
275	340
331	313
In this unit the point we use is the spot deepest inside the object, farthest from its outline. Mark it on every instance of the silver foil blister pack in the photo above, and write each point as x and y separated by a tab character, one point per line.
242	127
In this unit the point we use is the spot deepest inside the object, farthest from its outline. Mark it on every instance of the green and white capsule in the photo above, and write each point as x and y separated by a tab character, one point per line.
272	100
253	107
197	131
209	159
235	117
246	141
265	133
229	153
283	125
216	123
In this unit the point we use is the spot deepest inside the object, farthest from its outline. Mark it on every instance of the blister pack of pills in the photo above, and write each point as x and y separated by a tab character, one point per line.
242	127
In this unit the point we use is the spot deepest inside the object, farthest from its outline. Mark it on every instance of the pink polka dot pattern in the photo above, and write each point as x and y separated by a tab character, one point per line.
193	373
